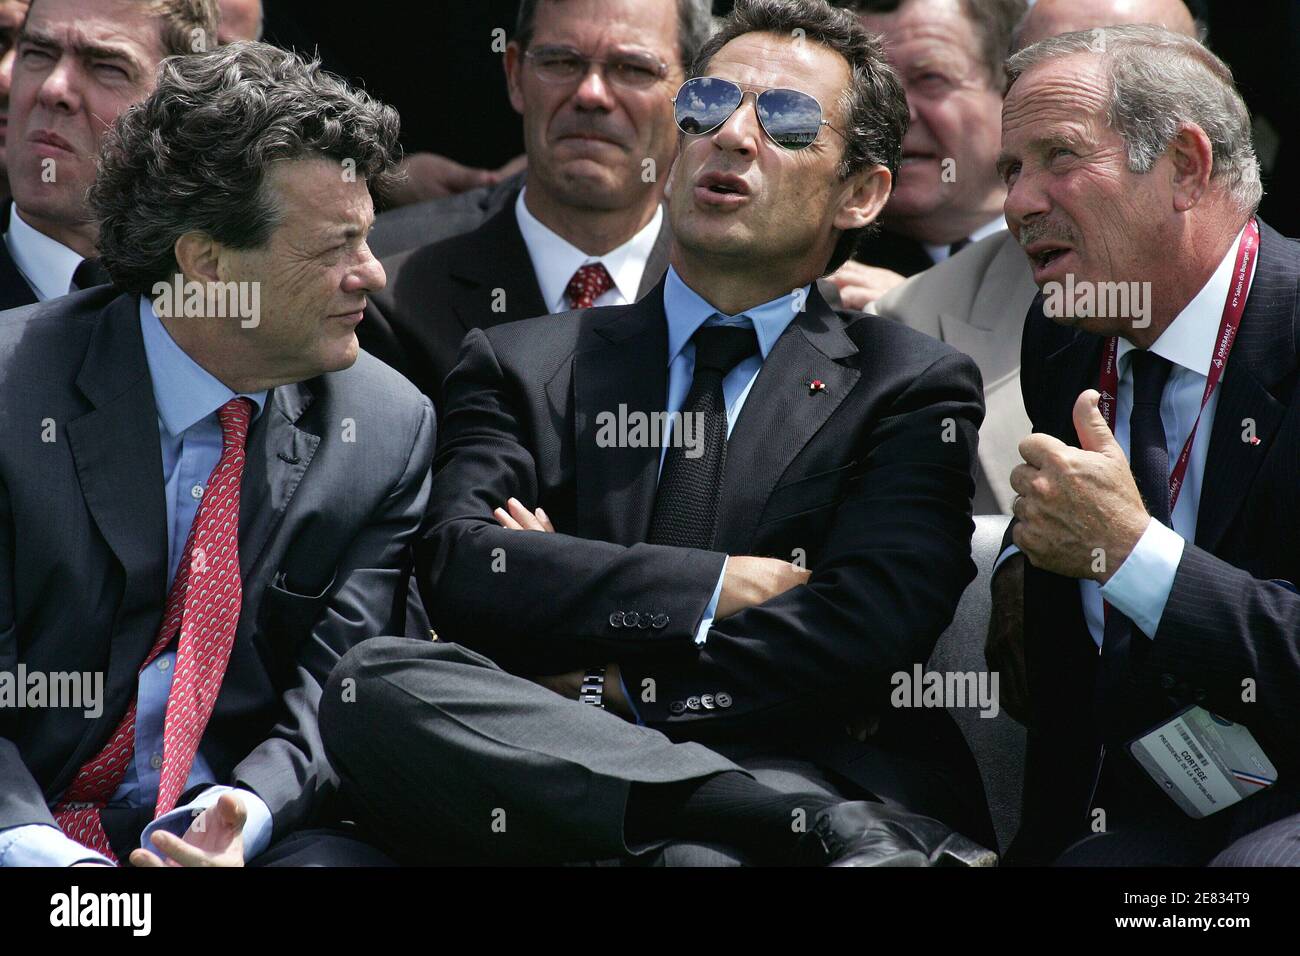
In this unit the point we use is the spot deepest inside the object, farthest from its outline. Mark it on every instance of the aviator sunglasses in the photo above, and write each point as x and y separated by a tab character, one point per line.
790	118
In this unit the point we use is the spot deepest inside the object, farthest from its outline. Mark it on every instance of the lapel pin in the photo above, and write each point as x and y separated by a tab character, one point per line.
815	386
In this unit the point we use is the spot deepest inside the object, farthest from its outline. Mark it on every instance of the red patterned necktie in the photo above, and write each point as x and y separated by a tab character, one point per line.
203	605
588	284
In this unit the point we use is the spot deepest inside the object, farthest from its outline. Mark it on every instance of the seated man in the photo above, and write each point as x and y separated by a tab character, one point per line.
749	580
1167	337
207	494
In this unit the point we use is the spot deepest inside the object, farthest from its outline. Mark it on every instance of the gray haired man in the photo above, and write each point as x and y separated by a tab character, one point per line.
236	484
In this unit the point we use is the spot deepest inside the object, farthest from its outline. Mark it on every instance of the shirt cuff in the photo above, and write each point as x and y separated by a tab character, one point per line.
257	824
630	702
1011	549
39	844
1140	586
702	632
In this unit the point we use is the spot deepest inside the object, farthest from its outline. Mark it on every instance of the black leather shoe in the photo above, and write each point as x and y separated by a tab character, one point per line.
859	833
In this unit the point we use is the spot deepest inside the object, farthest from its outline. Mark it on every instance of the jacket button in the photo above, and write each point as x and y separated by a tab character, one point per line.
1199	694
708	701
660	622
631	618
723	698
616	619
676	707
1167	681
692	703
644	623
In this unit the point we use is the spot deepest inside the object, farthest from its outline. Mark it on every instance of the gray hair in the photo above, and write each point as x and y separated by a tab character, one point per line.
1158	81
193	157
694	24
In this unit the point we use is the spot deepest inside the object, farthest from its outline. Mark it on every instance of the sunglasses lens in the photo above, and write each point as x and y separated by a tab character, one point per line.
791	118
704	103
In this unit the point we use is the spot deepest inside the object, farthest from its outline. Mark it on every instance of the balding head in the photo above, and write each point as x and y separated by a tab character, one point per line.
1049	18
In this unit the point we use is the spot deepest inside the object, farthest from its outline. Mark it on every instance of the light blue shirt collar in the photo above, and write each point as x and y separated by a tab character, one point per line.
184	391
687	310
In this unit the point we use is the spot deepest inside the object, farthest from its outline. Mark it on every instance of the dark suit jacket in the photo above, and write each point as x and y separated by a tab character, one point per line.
437	293
1226	619
856	477
14	290
419	224
324	531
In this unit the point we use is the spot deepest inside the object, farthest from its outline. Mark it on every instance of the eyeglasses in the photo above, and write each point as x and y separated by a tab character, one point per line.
790	118
633	71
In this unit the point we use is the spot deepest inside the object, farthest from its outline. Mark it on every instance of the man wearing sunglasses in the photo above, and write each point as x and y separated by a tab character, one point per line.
593	81
749	579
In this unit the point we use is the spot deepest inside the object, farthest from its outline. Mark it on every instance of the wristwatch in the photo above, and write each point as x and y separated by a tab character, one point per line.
593	687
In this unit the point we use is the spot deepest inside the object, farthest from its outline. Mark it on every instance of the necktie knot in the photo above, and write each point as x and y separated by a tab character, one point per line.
1150	373
723	347
234	417
588	284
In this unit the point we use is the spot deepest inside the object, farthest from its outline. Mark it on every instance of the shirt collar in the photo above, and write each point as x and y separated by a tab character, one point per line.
687	310
1190	339
184	391
940	252
45	263
555	259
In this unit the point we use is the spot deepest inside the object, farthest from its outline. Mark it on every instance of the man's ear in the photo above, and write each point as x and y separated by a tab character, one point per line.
513	63
862	197
1192	158
199	257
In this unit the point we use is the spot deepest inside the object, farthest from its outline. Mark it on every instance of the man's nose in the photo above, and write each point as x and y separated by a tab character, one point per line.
593	92
741	131
1026	200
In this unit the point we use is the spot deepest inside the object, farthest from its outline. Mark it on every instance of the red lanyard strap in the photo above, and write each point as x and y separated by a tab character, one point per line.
1233	308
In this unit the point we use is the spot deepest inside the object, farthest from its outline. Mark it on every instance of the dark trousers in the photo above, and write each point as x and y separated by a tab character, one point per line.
447	758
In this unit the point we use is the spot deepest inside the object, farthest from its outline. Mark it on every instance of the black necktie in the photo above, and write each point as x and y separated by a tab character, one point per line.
686	503
957	247
1149	458
90	273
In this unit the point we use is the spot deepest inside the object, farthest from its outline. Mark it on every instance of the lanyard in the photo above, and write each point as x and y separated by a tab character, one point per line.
1108	378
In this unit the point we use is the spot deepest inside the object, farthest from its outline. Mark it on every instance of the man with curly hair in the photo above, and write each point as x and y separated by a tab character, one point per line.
237	485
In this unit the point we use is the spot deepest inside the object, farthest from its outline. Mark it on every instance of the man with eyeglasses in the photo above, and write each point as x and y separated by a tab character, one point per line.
693	634
593	80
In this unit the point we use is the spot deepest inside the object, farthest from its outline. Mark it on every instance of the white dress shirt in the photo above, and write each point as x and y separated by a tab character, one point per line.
555	259
45	263
941	252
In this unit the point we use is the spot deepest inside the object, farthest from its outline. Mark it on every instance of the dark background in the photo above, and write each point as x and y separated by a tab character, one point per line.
433	60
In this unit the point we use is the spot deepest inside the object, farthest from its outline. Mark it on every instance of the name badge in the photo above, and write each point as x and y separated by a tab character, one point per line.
1204	762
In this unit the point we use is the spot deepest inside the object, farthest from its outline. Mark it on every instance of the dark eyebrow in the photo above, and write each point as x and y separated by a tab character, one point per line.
85	50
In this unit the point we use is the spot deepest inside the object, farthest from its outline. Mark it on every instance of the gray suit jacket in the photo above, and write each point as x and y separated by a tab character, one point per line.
976	302
334	488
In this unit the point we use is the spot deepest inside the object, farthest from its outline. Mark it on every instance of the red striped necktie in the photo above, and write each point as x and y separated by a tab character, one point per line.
203	607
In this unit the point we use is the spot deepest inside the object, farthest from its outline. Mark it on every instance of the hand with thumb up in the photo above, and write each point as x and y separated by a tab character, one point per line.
1079	511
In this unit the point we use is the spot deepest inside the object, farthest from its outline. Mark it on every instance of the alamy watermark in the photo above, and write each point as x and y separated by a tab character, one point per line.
181	299
637	429
1103	300
922	688
83	690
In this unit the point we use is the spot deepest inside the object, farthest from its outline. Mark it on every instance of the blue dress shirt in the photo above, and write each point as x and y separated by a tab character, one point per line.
187	398
687	311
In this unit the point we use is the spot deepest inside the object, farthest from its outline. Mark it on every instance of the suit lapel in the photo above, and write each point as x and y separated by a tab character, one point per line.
117	454
780	416
491	258
278	455
623	374
1263	354
657	263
